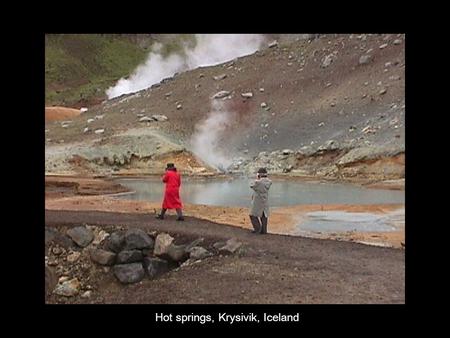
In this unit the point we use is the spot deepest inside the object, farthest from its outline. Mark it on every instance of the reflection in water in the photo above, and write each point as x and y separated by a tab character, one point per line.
236	192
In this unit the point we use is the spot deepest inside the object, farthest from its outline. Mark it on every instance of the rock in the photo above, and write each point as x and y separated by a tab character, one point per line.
168	94
98	117
197	252
99	131
50	280
62	279
230	247
221	94
287	151
321	124
201	75
90	120
218	245
85	130
146	119
73	257
327	60
160	118
57	250
162	244
87	294
155	266
81	236
116	242
263	105
384	45
332	104
53	236
382	91
103	257
179	106
220	77
129	273
68	288
176	253
365	59
137	239
273	44
388	64
288	168
397	42
99	236
247	95
261	90
129	256
329	145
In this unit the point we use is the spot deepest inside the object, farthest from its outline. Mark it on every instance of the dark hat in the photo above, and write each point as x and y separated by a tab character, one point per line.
170	165
262	171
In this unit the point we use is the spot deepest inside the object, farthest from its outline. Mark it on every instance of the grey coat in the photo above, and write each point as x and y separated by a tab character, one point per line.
260	198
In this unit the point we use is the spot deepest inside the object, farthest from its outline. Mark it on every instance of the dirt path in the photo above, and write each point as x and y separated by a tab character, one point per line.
272	269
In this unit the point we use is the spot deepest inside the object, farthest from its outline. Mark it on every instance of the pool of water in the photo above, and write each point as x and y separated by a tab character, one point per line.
236	192
341	221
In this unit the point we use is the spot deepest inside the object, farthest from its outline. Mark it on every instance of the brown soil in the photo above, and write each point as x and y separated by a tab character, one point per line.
60	113
271	269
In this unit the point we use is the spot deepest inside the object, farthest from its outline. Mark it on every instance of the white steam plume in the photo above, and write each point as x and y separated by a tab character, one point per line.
210	49
206	138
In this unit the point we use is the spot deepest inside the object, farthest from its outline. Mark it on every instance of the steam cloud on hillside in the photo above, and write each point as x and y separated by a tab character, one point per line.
210	49
206	138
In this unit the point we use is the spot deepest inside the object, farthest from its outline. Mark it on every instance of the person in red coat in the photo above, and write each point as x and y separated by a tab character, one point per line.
172	200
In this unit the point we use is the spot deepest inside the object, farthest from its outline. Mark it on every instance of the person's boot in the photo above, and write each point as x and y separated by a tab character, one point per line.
159	216
180	215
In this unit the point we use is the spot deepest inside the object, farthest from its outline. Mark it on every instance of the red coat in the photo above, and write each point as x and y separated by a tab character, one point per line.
172	193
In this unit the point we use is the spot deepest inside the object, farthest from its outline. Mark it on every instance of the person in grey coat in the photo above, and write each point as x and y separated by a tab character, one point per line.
259	211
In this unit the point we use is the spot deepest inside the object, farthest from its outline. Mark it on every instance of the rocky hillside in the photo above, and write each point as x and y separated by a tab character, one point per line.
332	106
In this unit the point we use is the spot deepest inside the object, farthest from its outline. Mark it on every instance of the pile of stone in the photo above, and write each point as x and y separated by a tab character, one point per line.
76	255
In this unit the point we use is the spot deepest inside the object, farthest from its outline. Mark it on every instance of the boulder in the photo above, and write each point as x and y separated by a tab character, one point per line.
81	236
99	131
103	257
116	242
176	253
230	247
162	244
273	44
54	236
247	95
137	239
129	273
155	266
397	42
129	256
197	252
68	288
287	151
